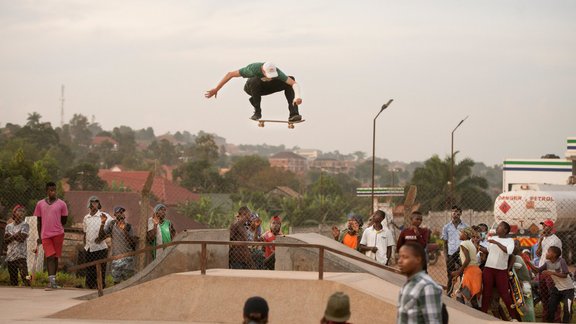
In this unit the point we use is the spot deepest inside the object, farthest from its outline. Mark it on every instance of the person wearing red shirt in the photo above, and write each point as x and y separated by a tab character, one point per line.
414	232
270	236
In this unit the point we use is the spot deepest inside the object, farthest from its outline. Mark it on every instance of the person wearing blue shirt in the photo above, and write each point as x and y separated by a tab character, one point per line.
451	238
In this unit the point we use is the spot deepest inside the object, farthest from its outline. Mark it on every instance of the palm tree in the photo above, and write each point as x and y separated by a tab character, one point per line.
33	119
433	185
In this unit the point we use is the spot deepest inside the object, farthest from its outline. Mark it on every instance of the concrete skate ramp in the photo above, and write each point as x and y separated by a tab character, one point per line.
293	297
219	296
180	258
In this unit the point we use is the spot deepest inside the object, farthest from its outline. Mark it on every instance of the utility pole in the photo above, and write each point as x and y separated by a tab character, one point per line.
62	107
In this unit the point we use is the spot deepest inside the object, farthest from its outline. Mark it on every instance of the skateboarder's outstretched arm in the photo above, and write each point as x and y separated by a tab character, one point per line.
214	92
296	87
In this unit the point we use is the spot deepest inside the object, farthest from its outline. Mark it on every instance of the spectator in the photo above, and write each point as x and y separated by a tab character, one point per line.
337	309
523	274
420	299
52	214
352	235
451	237
563	289
482	241
123	241
270	236
255	311
495	273
15	236
377	241
239	256
414	232
160	229
470	271
95	249
255	235
547	239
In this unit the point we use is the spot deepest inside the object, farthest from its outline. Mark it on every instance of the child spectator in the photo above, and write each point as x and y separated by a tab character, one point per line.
270	236
15	238
414	232
563	290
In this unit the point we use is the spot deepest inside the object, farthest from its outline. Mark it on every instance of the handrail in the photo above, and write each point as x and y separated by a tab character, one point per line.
203	256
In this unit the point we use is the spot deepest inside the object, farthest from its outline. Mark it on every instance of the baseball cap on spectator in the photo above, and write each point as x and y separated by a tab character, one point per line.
548	223
277	218
119	209
338	308
270	70
94	199
256	308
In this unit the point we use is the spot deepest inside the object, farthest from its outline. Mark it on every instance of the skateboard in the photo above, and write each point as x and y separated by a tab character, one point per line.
516	291
290	123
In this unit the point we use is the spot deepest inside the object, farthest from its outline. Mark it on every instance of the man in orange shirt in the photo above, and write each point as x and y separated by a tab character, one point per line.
352	234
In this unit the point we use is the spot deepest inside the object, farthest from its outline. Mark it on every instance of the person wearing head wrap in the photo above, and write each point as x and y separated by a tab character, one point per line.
160	229
15	236
471	285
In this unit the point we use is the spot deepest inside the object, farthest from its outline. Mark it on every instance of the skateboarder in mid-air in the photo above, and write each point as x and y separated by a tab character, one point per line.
264	79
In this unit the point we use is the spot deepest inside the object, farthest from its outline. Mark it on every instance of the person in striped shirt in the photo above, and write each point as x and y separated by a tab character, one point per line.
420	299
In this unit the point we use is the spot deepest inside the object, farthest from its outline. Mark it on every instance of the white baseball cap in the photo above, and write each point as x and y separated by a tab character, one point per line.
270	70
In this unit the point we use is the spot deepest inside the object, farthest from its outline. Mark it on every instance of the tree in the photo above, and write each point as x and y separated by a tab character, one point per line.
205	148
246	167
79	130
33	119
204	212
85	177
200	176
433	185
21	182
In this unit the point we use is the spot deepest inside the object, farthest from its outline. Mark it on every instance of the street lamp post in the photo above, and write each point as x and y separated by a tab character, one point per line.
384	106
452	163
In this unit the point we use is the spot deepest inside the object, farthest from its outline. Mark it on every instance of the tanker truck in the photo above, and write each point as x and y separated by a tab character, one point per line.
526	205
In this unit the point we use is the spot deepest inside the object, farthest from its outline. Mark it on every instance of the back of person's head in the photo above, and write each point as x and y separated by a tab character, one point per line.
255	310
337	309
244	209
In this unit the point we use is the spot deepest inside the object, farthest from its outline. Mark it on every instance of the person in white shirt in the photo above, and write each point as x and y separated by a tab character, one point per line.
377	240
95	248
495	273
547	240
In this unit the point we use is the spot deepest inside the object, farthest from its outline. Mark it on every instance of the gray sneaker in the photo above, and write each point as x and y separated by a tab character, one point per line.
295	118
51	287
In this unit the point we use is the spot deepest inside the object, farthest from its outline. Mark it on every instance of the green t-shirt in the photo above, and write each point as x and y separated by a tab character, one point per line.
255	70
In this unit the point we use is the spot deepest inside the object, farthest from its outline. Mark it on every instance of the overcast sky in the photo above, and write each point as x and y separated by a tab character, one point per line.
509	65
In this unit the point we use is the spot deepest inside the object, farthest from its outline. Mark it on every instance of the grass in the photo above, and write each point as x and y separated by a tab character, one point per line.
64	279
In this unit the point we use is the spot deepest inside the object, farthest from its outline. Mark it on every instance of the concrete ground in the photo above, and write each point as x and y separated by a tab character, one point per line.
218	297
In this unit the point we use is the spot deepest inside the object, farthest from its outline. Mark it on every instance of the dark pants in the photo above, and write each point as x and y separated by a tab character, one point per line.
18	265
257	88
557	296
91	274
545	286
497	278
452	264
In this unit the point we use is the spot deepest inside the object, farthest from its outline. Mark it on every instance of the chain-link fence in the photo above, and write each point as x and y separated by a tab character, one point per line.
101	224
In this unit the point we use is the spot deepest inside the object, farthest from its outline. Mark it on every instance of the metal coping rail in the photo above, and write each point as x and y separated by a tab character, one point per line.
203	256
